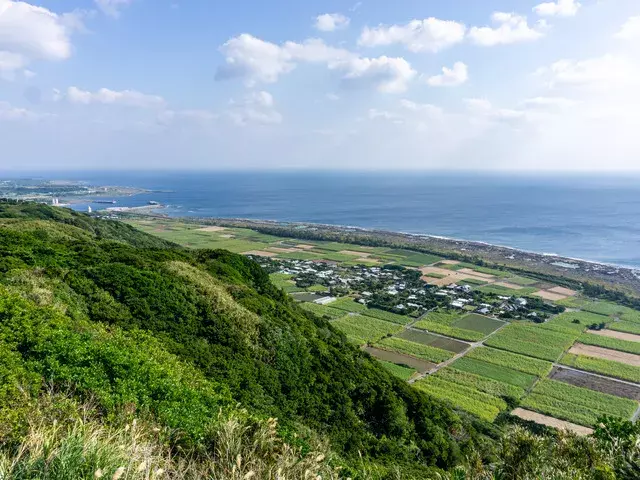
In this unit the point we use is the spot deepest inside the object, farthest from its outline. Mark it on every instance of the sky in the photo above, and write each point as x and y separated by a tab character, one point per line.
507	85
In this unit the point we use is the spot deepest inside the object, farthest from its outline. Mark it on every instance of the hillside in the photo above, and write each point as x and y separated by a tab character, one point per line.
142	328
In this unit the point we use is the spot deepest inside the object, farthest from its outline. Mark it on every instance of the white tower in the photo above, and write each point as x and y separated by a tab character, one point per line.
89	209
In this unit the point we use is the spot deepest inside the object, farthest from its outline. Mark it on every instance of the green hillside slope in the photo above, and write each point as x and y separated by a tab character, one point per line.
141	328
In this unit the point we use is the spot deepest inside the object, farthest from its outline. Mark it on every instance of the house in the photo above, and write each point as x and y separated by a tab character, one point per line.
484	311
457	304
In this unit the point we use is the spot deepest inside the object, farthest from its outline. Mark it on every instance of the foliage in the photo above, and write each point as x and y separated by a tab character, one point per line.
418	350
441	321
627	327
577	321
529	365
145	327
348	305
388	316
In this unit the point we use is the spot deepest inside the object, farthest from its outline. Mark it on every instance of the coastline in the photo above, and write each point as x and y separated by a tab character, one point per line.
580	270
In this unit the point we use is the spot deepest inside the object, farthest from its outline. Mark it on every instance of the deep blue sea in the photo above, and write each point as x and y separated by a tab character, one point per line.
590	217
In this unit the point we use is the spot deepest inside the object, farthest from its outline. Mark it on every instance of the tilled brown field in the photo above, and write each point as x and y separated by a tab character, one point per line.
593	382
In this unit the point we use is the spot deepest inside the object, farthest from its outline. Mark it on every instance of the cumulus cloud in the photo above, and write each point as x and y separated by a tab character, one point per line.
428	35
509	28
11	113
112	8
256	60
422	108
29	32
330	22
560	8
104	96
450	77
630	30
608	71
254	108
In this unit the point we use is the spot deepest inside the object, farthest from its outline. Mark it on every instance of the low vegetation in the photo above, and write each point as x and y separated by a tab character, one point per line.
609	368
483	384
363	330
417	350
495	372
533	340
611	343
514	361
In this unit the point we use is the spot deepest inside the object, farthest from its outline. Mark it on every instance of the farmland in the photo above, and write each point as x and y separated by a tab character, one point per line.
361	330
418	350
437	341
495	372
532	340
405	318
609	368
517	362
596	382
464	397
576	404
611	343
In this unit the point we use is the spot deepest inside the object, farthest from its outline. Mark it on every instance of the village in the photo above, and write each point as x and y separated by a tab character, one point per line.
396	289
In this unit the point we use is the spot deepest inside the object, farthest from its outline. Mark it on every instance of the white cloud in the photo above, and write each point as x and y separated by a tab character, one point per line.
330	22
255	108
10	113
375	114
483	108
450	77
389	75
560	8
510	28
428	35
426	108
548	102
332	96
104	96
608	71
29	32
630	30
112	8
255	60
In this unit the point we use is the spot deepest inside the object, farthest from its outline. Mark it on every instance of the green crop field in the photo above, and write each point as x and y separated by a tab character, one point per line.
608	342
495	372
609	368
442	322
400	371
533	341
413	259
478	323
490	271
532	366
578	321
478	403
300	256
418	350
363	330
388	316
317	288
348	305
474	282
627	327
483	384
576	404
522	281
434	275
322	310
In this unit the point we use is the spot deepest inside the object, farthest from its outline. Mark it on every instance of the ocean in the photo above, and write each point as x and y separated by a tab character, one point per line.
589	217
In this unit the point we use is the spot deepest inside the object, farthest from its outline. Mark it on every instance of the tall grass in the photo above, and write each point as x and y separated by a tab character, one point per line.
241	448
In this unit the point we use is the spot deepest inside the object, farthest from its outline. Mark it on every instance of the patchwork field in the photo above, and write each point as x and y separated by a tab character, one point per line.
436	341
403	373
360	329
597	383
418	350
605	354
619	335
400	359
495	372
576	404
551	422
447	323
592	338
533	341
514	361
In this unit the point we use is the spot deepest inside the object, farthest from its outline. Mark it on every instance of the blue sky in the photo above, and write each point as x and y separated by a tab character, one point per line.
409	84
